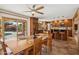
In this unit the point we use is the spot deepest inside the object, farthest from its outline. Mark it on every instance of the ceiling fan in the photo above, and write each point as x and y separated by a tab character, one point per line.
35	9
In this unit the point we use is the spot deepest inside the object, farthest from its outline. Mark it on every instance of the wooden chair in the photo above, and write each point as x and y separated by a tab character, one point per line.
37	46
47	46
6	50
49	42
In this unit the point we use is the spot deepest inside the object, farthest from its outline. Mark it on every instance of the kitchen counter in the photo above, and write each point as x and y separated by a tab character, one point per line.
61	28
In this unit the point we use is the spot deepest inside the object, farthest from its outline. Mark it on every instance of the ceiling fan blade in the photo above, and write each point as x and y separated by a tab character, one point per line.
34	6
27	11
41	7
39	12
29	8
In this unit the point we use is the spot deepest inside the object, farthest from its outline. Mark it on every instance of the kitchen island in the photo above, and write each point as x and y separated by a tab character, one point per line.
60	33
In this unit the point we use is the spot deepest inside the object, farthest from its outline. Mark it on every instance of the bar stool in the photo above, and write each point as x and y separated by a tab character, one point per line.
62	34
55	34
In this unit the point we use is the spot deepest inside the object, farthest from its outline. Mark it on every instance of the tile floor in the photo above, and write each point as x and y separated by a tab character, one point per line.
60	47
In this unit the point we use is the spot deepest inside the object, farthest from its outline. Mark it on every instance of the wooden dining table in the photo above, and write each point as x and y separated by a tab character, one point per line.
17	46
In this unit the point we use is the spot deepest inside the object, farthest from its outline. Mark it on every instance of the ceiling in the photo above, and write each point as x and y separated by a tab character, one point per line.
51	11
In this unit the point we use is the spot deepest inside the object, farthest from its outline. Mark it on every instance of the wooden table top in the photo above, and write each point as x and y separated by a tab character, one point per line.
20	45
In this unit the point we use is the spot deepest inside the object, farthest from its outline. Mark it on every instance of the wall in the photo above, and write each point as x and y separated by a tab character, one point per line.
76	33
28	26
76	21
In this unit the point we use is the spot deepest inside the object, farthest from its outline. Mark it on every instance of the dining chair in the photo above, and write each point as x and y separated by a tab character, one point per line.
37	46
6	50
47	46
49	42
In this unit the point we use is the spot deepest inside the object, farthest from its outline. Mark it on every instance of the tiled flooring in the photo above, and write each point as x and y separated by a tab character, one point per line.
60	47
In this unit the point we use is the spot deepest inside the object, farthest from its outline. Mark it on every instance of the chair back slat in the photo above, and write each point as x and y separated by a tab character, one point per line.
37	46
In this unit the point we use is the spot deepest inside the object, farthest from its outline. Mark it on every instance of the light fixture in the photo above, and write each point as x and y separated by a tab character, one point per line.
66	20
60	21
33	13
55	21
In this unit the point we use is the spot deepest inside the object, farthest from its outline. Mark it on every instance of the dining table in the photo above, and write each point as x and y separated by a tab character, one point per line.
17	46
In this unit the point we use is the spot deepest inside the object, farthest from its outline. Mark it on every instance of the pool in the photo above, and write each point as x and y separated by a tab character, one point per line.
7	34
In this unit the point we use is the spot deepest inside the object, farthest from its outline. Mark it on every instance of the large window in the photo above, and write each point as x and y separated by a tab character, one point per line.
10	30
22	29
14	29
